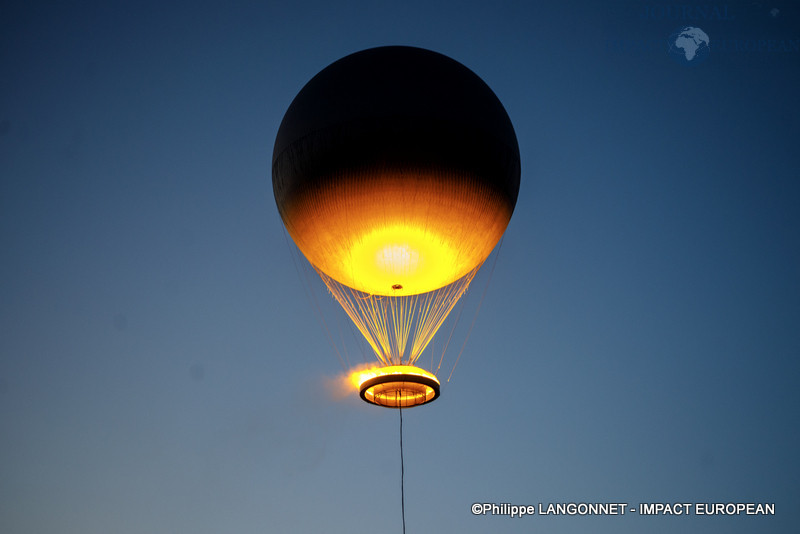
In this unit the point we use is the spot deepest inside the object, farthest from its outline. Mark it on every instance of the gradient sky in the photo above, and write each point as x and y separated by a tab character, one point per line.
162	369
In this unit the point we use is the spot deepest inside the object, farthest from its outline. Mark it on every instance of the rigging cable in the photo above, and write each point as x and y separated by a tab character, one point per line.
483	296
312	297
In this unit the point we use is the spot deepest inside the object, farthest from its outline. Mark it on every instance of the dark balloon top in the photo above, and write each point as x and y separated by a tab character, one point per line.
398	106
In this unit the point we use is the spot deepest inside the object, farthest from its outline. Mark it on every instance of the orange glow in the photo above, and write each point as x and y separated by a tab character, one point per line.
360	376
403	234
396	386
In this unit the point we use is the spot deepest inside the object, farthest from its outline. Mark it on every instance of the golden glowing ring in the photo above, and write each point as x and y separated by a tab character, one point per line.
399	386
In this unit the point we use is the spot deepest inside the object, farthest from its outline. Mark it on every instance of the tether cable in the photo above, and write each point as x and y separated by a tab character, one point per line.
402	475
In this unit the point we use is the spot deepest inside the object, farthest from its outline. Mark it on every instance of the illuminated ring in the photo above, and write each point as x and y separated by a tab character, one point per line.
399	390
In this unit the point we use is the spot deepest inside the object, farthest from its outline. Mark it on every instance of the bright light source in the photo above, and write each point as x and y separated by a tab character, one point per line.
396	386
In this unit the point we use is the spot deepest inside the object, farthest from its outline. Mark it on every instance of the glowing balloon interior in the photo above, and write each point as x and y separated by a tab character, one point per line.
394	232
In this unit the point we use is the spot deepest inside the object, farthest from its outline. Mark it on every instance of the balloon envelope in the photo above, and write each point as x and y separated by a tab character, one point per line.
396	171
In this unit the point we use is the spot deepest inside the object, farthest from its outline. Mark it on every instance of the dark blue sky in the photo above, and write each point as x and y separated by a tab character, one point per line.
162	370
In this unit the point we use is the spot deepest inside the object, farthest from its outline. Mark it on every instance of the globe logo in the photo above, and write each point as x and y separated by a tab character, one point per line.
689	45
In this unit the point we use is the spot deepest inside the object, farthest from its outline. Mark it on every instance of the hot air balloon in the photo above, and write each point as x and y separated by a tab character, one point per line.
396	171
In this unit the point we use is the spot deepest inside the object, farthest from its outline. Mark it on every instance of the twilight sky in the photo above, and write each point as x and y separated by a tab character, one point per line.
162	366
